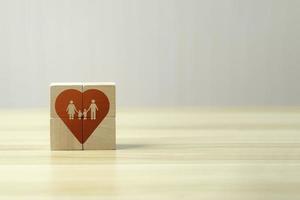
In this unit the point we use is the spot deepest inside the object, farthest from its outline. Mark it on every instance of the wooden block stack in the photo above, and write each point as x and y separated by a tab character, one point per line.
82	116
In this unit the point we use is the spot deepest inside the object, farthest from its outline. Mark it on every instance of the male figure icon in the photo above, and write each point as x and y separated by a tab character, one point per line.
93	107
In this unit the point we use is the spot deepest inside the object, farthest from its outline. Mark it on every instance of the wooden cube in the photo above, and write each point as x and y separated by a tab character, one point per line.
74	94
103	137
82	116
61	136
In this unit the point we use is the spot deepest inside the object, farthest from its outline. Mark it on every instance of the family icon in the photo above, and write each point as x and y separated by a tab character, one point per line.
71	110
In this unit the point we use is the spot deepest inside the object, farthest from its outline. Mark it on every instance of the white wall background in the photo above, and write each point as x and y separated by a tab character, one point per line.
159	52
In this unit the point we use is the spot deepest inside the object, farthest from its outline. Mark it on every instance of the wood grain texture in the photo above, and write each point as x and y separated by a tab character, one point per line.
225	153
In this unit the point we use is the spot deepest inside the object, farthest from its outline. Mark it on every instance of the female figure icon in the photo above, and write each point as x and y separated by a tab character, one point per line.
71	109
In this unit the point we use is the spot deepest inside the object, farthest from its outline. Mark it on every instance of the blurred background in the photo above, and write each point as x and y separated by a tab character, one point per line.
159	52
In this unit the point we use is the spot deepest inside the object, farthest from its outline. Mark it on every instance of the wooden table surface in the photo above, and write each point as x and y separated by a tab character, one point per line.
187	153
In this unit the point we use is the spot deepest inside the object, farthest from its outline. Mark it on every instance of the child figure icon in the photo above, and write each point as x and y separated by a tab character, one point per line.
85	114
79	114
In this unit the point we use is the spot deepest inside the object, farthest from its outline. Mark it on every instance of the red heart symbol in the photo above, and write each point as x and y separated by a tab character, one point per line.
70	106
